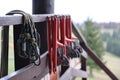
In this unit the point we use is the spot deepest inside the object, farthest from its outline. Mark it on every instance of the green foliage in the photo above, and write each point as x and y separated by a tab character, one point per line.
106	36
113	44
94	40
116	34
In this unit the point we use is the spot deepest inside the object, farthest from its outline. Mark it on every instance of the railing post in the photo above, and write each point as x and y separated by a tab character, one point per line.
43	7
83	65
4	51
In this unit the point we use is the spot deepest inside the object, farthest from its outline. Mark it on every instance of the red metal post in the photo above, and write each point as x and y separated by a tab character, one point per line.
49	44
63	32
54	43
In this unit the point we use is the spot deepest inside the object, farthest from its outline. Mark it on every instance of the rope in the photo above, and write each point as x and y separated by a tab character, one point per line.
28	43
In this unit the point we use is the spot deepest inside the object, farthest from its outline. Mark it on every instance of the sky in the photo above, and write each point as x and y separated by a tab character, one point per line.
80	10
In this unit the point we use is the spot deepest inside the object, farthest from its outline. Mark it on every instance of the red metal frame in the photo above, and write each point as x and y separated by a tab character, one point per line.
59	34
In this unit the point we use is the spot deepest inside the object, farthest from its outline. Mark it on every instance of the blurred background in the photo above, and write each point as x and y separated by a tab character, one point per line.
98	20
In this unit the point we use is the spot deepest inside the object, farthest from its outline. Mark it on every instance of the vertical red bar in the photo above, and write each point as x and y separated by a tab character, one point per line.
60	24
55	43
58	30
70	27
49	35
63	34
67	29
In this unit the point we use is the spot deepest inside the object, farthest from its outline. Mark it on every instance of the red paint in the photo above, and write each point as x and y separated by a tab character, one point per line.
59	34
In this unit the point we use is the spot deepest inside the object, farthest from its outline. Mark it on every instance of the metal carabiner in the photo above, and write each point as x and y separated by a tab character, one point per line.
21	47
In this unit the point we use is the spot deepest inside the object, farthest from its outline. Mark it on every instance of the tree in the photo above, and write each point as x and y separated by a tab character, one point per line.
106	36
113	44
94	40
116	34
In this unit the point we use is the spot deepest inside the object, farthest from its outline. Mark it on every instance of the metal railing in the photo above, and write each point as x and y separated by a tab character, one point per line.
32	72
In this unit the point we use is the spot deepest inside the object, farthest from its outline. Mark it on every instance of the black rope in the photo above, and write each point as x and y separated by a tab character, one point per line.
28	44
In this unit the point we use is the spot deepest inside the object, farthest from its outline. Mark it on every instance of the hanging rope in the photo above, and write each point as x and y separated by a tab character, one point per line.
28	43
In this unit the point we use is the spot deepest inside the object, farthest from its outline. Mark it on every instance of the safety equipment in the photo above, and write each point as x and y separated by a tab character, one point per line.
28	44
61	44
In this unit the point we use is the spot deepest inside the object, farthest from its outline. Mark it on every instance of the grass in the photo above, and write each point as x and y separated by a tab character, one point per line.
11	55
113	63
10	66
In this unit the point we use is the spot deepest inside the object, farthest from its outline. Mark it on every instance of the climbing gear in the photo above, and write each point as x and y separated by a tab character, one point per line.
73	49
61	39
77	48
28	44
61	44
70	52
61	57
56	47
